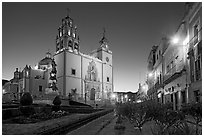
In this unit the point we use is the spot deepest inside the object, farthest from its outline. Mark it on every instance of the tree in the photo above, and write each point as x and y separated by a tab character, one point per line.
53	79
195	110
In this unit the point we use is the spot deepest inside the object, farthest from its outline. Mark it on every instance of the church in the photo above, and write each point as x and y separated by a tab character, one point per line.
86	78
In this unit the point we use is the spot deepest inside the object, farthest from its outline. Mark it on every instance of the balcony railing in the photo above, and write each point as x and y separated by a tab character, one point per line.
174	76
195	39
177	68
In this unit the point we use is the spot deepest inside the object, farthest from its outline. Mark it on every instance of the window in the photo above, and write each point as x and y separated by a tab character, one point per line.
176	100
73	71
183	95
199	48
76	46
172	98
160	78
70	43
27	74
196	95
195	34
198	68
162	98
167	68
107	79
40	88
172	89
159	52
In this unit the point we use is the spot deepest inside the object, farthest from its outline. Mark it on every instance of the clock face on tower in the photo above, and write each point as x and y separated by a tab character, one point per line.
107	59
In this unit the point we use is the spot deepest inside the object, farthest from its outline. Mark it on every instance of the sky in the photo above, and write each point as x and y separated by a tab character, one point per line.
29	31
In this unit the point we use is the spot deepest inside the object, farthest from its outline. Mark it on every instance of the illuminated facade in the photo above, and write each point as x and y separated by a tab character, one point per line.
194	38
176	74
84	78
80	77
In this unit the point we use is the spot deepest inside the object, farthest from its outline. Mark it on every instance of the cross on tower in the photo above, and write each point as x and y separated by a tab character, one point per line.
68	11
104	32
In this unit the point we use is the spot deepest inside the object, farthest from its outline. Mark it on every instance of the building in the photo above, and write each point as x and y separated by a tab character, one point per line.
175	65
11	88
152	92
194	44
35	80
124	96
86	78
155	71
133	96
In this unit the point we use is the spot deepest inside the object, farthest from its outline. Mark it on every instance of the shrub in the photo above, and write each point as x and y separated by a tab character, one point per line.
26	102
195	110
57	101
26	99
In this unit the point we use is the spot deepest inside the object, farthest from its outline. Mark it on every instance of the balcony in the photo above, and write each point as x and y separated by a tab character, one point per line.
174	76
158	85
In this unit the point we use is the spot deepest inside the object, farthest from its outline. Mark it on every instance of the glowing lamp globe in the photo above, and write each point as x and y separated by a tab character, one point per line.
175	40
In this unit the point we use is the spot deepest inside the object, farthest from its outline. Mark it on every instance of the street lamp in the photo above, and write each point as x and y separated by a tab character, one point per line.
175	40
113	96
150	74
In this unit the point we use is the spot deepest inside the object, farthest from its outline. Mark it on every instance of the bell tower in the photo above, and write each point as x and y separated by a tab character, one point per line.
104	41
103	52
67	37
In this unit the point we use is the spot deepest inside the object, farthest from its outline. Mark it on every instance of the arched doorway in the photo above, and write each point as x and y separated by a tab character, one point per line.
92	94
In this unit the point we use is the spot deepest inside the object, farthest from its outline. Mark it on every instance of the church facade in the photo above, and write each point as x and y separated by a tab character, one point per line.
80	77
84	78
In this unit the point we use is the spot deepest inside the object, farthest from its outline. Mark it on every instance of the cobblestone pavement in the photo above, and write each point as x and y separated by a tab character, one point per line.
94	127
105	126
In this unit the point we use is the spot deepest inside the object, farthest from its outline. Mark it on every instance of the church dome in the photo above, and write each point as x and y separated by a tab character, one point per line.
45	61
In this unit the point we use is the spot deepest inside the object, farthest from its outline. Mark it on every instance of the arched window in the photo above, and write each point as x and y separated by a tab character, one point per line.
76	46
70	43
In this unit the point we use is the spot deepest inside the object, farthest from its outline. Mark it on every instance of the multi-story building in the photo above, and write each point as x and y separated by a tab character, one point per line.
194	37
176	72
155	74
152	93
174	64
